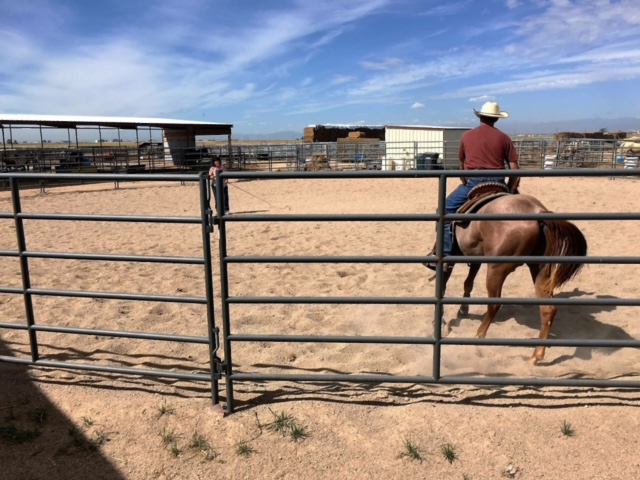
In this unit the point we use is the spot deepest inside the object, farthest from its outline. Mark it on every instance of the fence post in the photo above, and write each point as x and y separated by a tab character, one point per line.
24	267
212	330
439	307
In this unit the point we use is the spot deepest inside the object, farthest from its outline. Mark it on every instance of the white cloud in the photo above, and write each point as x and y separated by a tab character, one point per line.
449	8
417	105
482	98
386	64
342	79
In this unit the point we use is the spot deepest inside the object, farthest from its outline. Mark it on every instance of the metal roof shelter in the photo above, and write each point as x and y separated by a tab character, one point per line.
125	123
178	135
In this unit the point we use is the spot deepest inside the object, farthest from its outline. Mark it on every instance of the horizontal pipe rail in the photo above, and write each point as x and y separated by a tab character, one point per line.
107	369
391	340
447	380
111	295
120	334
363	174
626	302
106	257
422	217
109	177
103	218
432	258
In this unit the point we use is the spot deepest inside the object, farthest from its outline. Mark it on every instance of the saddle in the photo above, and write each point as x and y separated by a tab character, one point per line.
478	197
482	194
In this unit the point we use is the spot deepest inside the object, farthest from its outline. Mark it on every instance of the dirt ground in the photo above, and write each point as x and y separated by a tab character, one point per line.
70	424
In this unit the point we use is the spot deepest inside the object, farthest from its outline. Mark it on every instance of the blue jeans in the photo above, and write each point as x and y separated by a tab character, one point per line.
225	197
456	199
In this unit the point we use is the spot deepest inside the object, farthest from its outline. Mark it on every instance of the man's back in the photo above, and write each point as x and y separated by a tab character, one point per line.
486	148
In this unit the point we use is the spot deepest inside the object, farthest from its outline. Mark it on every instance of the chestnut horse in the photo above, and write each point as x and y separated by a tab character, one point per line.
519	238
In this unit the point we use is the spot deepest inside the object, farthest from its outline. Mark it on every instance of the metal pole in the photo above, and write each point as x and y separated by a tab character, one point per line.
439	294
212	330
224	289
24	268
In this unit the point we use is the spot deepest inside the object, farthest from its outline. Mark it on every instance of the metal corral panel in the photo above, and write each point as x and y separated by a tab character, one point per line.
404	143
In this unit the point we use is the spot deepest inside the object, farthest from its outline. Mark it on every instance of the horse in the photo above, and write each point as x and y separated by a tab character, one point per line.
519	238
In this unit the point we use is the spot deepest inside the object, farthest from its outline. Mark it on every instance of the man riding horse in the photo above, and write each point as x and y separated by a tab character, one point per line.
483	148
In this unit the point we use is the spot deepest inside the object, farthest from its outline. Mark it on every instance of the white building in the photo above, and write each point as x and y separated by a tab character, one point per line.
405	142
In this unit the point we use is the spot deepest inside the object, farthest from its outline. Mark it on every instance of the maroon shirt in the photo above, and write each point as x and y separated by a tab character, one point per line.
486	148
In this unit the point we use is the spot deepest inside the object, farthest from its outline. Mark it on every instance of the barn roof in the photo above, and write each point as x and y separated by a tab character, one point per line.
131	123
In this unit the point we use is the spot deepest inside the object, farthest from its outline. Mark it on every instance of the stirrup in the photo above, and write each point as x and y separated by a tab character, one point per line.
431	265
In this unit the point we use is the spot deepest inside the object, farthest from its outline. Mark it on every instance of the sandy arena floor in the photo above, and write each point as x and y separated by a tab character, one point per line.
66	424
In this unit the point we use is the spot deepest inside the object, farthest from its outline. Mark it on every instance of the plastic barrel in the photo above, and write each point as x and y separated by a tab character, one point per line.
549	162
631	162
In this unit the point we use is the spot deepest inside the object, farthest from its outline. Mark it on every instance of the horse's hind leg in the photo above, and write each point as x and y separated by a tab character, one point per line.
547	312
468	286
496	275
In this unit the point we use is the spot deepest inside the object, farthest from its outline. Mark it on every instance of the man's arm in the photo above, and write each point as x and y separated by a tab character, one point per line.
513	182
461	157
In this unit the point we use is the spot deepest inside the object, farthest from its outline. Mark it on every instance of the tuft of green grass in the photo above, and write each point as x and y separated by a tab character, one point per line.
297	432
165	408
243	448
281	423
567	429
450	452
175	450
284	424
168	436
87	422
98	439
411	451
199	443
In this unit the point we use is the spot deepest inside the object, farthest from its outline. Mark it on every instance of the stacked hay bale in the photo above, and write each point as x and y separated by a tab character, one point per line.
631	146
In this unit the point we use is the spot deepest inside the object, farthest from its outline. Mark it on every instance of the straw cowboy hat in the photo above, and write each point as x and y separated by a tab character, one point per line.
490	109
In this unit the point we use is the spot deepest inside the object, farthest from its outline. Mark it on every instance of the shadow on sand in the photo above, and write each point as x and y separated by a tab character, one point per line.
37	440
571	322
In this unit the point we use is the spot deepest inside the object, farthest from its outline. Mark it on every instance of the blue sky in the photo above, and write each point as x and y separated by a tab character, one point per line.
280	65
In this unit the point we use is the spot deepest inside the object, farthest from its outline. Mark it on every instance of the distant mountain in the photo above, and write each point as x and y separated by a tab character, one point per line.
585	125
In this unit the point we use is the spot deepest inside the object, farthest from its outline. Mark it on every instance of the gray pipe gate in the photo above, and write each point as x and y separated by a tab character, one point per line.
205	220
222	368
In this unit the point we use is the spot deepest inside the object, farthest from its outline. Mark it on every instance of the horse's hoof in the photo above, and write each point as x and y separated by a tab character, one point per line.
534	360
446	329
463	310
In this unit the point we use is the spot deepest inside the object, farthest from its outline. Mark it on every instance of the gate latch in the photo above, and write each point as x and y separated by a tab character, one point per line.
219	366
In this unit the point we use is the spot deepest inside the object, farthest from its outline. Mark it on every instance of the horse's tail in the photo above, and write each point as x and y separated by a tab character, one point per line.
563	239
